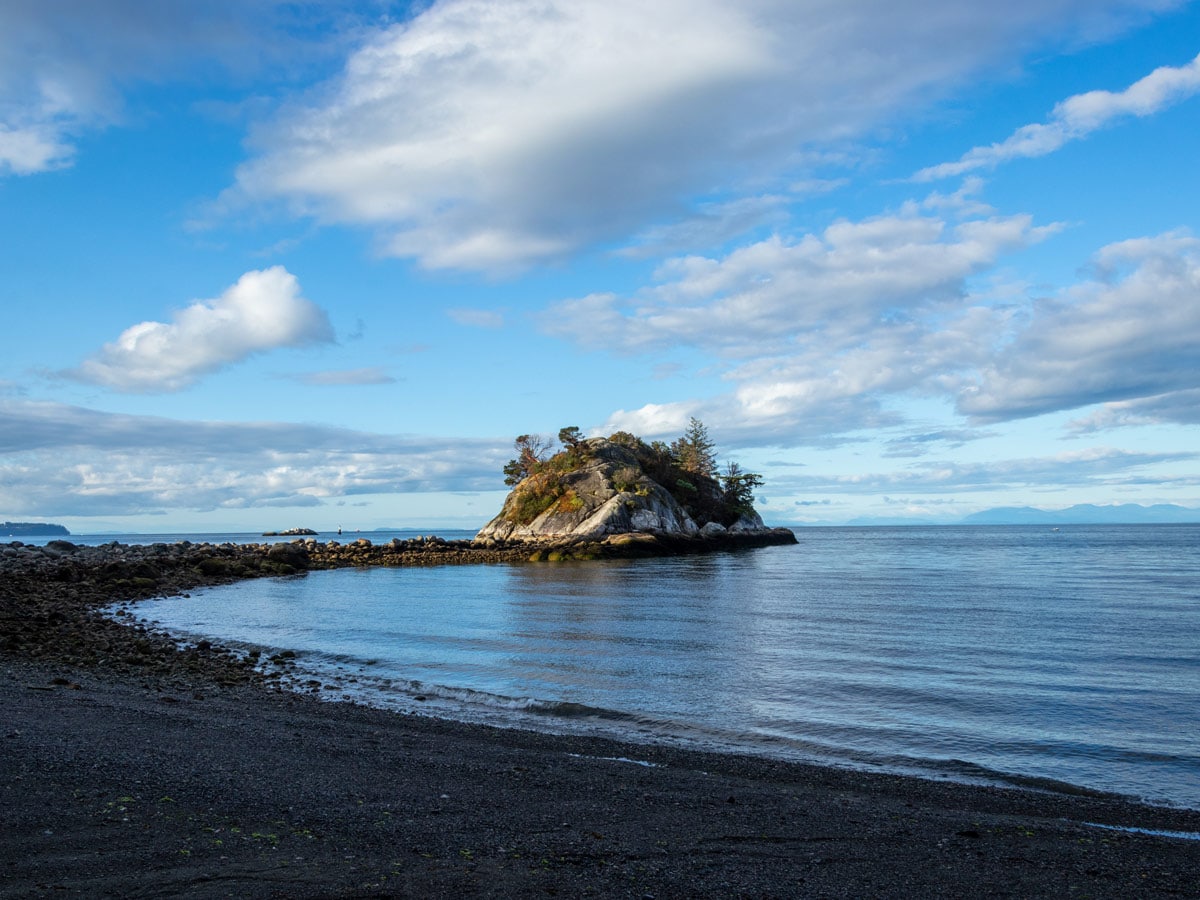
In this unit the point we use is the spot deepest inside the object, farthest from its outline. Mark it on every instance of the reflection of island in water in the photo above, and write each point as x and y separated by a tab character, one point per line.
24	529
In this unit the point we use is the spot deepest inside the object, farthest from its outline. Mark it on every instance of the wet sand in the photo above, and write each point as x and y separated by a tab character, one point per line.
129	768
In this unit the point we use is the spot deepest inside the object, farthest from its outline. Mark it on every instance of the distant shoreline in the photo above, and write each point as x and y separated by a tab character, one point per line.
93	539
32	529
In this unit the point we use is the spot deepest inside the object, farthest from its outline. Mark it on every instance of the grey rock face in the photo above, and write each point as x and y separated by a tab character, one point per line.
750	521
608	494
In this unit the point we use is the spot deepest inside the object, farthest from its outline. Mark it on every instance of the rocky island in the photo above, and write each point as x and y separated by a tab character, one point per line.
31	529
597	495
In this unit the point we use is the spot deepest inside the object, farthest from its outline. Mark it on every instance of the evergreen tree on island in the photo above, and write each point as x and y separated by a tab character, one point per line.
623	484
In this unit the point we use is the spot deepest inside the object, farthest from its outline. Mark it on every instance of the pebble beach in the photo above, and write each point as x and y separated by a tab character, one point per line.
136	767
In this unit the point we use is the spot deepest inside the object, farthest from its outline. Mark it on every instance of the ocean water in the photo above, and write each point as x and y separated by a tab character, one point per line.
381	536
1061	659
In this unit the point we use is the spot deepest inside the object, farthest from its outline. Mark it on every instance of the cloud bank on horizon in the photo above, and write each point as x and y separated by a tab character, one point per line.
471	218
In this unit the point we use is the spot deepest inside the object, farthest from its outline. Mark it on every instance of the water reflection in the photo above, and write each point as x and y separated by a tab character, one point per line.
1051	655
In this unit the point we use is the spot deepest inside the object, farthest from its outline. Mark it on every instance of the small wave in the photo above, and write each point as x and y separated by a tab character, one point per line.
426	693
569	710
624	759
961	768
1132	829
492	708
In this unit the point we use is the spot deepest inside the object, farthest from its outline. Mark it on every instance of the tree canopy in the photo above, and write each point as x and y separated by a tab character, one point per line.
694	451
532	451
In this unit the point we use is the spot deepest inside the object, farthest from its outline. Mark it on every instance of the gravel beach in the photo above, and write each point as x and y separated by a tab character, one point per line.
133	768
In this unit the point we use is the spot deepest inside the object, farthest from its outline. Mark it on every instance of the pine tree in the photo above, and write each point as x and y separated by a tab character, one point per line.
532	450
570	437
695	451
739	488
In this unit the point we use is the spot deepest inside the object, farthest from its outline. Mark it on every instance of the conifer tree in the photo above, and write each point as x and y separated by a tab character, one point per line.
739	488
695	451
532	450
570	437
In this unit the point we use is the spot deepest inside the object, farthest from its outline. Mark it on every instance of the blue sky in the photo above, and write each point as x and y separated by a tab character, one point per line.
277	264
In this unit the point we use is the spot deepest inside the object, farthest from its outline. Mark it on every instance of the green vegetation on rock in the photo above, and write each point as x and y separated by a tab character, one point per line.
678	482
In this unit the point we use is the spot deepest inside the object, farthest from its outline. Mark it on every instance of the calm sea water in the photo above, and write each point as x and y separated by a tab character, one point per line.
381	536
1012	654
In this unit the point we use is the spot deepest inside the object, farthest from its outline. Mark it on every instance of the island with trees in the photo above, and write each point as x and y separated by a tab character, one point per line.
31	529
622	488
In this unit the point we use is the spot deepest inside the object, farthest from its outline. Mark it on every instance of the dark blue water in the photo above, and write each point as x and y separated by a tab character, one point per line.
1004	654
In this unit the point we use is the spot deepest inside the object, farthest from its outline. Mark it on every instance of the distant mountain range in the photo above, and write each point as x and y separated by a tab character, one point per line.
1085	514
1080	514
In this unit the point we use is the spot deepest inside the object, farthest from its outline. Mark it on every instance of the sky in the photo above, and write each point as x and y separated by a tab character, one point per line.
296	264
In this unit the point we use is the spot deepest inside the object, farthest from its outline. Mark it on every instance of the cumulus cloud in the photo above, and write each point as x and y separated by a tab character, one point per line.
1131	332
32	146
67	461
781	292
263	311
820	336
814	332
493	136
1077	117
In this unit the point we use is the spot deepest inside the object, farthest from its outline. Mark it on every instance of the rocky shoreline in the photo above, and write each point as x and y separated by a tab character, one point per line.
52	597
131	766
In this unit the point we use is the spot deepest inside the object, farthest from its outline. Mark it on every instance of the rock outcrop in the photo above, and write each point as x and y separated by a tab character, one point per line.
606	491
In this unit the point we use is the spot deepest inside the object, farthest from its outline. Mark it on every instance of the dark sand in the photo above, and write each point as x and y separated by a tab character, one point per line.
143	772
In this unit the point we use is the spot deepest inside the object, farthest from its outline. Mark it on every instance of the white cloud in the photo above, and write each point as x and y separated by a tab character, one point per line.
1106	466
913	445
1077	117
343	377
58	460
651	420
815	332
830	288
962	202
711	225
493	136
1176	407
1132	332
64	64
263	311
822	336
477	318
31	147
